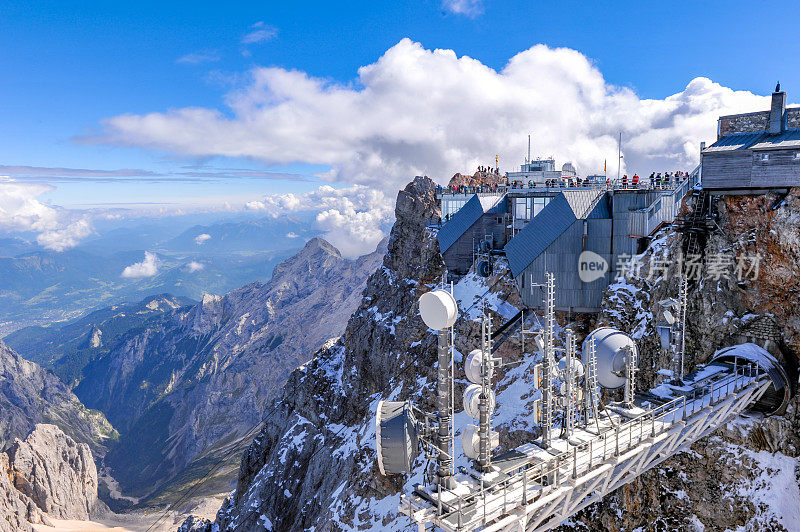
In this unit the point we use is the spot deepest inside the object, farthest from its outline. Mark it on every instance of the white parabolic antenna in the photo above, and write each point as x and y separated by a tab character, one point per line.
438	309
472	399
471	441
473	367
611	350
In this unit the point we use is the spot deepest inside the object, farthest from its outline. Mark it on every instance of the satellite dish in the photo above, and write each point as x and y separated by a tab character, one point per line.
473	365
668	317
577	367
471	441
484	268
472	398
611	350
438	309
396	437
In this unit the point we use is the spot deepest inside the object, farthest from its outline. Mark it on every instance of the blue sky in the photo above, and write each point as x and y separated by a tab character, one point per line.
69	66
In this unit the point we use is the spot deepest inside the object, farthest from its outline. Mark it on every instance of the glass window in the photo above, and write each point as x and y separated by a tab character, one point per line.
538	204
522	209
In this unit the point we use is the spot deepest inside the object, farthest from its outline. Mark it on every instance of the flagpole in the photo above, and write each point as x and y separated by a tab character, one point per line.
619	155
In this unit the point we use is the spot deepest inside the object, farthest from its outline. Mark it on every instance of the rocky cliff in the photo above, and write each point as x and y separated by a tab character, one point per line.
47	473
30	395
313	465
476	179
199	378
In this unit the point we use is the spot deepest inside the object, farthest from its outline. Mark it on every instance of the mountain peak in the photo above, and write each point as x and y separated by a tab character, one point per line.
320	244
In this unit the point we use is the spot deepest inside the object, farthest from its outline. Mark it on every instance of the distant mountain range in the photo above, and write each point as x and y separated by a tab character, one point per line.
184	382
255	235
38	287
67	349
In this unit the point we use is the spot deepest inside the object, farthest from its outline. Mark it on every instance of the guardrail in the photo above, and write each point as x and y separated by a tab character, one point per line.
504	189
663	210
582	458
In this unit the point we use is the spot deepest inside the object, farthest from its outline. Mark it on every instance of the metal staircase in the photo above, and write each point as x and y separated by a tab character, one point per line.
696	224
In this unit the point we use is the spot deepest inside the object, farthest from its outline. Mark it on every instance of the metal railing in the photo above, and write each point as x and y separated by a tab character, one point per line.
663	210
612	184
536	479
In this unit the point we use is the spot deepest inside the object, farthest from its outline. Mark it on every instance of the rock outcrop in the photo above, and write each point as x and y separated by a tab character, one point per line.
477	179
56	473
47	475
30	395
17	510
310	454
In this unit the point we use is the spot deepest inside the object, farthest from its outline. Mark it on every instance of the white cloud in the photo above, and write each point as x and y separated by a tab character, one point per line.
66	237
470	8
201	238
147	268
417	111
197	58
194	266
260	32
21	211
292	235
354	219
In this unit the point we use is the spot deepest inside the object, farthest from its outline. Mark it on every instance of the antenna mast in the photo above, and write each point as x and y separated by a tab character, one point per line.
444	461
529	149
547	359
484	433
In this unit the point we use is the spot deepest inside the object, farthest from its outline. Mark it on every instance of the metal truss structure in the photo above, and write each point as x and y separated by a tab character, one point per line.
535	488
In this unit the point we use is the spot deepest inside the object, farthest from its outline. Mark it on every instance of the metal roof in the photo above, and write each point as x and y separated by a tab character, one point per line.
582	201
551	222
735	141
467	215
540	232
759	140
789	139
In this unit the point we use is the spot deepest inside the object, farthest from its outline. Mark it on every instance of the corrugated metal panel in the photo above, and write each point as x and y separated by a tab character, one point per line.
600	208
463	219
555	218
735	141
787	140
582	201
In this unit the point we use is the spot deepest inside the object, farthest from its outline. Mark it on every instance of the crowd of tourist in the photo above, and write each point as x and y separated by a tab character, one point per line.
656	180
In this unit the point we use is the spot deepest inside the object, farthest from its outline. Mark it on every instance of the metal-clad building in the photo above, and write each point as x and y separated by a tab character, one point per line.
482	218
573	222
755	151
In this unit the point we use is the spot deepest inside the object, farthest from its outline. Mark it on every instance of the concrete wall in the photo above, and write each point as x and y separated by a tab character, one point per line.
758	121
747	122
